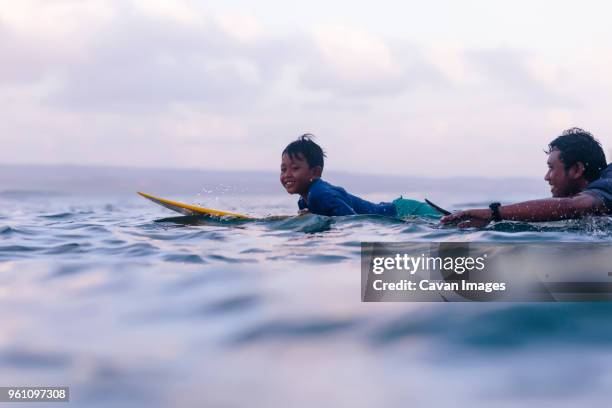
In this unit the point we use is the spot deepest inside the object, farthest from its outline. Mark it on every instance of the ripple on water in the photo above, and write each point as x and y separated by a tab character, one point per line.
506	327
68	248
184	258
526	236
72	236
34	359
113	241
57	216
94	228
200	279
18	248
67	270
299	328
182	235
351	244
417	228
307	223
233	304
254	251
222	258
326	258
173	312
137	249
8	231
81	228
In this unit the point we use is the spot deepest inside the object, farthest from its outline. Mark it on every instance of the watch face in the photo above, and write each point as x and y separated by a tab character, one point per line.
495	211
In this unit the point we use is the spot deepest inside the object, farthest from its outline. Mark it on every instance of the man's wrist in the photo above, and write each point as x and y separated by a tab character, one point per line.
495	213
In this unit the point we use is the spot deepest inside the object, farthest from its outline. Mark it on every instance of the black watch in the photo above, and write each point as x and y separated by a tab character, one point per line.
494	207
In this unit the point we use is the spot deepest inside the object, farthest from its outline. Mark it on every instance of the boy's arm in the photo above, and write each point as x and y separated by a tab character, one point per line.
550	209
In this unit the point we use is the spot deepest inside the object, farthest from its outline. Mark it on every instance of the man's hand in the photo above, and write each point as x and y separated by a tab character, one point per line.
469	218
303	211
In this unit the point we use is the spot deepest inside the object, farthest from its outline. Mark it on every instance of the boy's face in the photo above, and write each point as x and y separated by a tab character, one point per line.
296	175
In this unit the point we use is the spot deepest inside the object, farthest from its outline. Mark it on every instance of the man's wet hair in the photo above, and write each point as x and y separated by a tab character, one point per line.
305	148
577	145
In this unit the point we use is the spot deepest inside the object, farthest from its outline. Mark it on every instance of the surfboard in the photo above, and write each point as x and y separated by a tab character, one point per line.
189	209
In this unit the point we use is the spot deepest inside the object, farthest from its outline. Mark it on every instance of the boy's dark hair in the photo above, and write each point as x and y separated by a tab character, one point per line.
307	149
578	145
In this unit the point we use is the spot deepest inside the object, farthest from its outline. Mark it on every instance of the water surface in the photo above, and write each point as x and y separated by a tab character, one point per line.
131	306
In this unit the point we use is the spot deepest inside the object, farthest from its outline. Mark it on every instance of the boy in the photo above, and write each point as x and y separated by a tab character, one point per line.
301	169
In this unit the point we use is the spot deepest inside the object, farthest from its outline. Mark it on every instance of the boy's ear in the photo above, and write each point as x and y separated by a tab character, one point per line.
577	170
316	171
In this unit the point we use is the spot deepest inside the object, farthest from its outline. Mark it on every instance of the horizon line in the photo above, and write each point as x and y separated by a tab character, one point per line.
255	171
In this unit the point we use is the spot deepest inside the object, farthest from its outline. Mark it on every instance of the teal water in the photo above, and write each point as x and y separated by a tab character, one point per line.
131	306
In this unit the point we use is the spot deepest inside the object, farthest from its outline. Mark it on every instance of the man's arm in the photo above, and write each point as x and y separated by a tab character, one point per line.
549	209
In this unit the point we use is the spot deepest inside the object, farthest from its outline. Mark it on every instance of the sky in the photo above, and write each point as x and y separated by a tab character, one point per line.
438	88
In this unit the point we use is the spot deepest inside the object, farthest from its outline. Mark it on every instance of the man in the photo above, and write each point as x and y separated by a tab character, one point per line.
581	184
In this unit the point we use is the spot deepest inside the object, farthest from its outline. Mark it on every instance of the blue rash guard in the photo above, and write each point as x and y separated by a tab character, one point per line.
326	199
602	188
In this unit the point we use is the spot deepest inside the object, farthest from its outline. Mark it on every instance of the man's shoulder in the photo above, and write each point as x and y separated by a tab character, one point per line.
602	187
604	180
606	173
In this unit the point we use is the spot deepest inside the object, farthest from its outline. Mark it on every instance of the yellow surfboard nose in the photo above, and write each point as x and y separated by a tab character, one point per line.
188	209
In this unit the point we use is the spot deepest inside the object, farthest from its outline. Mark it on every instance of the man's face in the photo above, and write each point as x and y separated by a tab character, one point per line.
562	182
296	175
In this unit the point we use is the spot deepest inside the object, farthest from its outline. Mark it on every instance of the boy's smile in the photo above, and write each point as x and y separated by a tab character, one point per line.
296	175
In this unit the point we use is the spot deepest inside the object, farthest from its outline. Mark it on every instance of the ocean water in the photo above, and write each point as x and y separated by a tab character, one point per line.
130	305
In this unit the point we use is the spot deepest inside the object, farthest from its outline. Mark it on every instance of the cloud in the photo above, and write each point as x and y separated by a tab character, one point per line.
146	55
350	62
38	38
139	82
142	56
147	63
519	76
